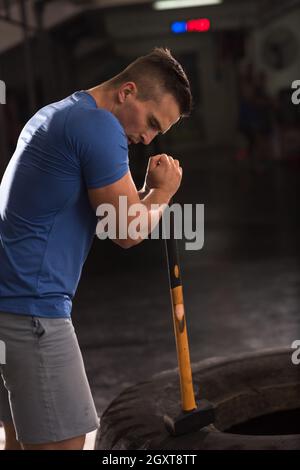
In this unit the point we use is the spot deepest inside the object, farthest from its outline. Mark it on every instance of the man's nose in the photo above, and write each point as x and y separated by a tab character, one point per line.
148	136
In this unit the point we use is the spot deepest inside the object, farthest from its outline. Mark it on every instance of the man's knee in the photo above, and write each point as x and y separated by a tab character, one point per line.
11	442
76	443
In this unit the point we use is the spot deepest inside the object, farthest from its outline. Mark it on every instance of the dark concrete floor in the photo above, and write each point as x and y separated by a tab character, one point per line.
242	290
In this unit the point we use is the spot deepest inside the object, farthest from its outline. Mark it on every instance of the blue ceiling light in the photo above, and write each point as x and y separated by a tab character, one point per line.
178	27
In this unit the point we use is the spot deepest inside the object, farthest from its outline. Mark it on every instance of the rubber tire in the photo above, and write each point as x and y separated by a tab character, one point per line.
240	388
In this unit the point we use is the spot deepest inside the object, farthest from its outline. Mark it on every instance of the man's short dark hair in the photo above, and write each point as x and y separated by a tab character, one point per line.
157	73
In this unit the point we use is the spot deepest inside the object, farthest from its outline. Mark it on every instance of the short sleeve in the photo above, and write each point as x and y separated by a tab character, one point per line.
99	143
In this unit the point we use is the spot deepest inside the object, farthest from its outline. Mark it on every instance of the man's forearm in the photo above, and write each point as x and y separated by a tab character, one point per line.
143	192
157	198
154	196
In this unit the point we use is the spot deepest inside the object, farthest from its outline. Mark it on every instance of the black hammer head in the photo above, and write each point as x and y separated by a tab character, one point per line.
189	421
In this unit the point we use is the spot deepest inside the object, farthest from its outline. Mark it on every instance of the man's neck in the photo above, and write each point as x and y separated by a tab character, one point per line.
103	95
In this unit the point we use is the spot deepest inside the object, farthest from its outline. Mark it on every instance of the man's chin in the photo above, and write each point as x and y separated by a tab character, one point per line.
130	141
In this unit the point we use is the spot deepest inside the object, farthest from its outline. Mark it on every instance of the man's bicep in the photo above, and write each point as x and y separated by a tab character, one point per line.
110	194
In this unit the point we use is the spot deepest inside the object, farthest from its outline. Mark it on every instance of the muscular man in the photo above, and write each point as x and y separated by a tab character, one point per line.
71	157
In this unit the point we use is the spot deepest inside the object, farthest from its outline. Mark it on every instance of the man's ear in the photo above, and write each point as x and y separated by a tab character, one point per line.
126	90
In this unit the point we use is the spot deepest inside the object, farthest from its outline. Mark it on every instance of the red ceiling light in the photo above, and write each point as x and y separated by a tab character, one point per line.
200	25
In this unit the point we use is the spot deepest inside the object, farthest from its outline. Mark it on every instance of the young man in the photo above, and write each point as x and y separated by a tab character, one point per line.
71	157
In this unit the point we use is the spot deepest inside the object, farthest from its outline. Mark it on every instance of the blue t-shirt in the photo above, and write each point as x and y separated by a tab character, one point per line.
46	221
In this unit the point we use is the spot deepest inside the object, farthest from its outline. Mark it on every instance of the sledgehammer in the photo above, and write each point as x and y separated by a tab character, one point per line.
193	416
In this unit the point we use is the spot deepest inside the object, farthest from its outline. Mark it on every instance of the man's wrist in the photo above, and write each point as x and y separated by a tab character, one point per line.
144	191
156	194
160	195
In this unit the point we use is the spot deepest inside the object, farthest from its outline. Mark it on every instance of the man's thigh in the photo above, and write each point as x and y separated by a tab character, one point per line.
50	397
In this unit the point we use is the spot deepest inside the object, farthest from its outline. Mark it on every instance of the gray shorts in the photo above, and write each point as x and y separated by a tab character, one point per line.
44	391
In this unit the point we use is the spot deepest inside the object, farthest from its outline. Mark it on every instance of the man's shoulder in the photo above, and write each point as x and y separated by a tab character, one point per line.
87	124
83	114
